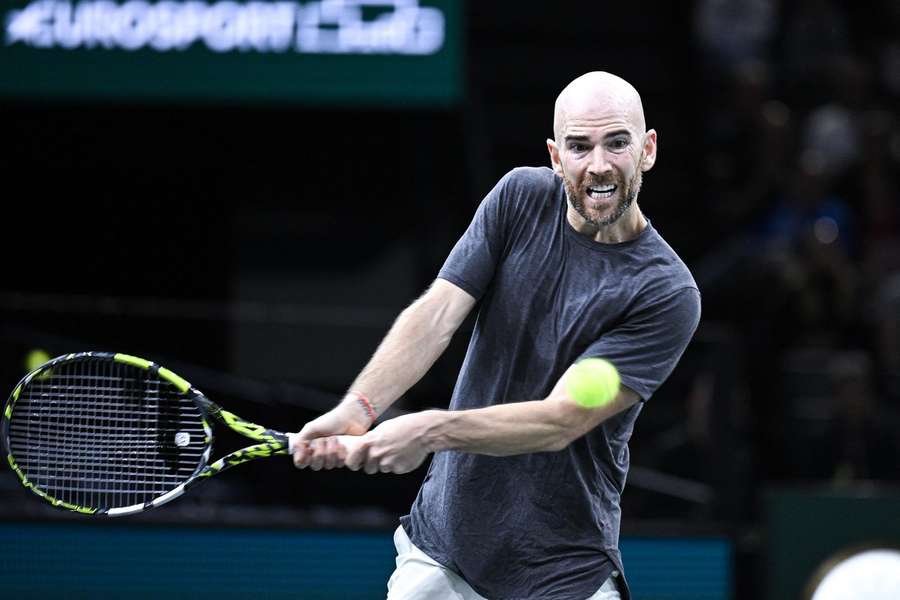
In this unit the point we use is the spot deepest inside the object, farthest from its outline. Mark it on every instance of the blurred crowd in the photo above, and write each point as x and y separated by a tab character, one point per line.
799	146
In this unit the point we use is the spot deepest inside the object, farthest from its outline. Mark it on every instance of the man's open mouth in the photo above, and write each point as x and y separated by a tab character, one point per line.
601	191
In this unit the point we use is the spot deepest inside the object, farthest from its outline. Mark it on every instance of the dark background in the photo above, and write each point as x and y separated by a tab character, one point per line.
262	251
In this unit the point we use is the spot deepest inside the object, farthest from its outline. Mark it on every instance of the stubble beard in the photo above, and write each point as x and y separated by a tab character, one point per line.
629	193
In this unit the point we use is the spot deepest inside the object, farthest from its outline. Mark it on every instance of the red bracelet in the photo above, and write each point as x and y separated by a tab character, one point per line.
366	405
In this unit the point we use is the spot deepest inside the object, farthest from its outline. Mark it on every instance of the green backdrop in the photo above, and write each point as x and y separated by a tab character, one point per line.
355	52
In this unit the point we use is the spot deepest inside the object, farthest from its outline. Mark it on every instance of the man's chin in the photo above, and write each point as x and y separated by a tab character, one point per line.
600	217
595	219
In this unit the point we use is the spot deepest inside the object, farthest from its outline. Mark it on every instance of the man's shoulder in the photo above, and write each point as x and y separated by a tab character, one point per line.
529	190
671	272
531	178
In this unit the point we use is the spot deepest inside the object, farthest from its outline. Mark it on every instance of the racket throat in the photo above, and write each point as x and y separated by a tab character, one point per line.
244	455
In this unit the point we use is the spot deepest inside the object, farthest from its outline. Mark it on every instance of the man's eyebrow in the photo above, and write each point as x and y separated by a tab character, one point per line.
577	138
617	133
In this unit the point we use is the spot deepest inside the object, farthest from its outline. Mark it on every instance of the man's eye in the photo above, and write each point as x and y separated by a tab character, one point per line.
578	147
619	144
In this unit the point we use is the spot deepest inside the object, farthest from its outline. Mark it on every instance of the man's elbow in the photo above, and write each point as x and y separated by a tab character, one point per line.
570	423
574	421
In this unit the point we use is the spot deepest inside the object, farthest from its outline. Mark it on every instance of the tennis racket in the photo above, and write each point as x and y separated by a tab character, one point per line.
110	434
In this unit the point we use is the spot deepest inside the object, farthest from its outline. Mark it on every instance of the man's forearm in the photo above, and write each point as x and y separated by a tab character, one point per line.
415	341
515	428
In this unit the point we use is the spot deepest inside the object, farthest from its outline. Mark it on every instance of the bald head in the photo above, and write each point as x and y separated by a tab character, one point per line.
598	95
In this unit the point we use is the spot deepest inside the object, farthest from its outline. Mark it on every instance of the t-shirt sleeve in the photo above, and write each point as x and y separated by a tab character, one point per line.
474	259
647	346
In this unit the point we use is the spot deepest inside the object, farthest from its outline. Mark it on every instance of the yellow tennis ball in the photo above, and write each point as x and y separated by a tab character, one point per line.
35	358
592	382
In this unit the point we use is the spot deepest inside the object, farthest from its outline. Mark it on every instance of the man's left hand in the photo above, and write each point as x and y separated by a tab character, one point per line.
396	446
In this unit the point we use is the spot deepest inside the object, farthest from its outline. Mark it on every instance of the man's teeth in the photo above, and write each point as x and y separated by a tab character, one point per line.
601	191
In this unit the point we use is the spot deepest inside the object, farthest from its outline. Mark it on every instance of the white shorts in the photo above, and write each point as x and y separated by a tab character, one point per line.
419	577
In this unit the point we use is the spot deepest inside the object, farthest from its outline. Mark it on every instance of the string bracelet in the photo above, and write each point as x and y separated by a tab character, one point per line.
365	404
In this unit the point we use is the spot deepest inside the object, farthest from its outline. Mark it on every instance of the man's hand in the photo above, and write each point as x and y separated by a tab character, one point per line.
314	447
395	446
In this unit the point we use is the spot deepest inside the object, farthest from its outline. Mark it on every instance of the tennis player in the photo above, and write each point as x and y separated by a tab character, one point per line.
521	500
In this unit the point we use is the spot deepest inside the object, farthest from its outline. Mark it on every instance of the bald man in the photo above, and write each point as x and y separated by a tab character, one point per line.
521	500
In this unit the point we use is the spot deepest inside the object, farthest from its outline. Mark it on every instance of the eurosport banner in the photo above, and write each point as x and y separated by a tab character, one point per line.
398	52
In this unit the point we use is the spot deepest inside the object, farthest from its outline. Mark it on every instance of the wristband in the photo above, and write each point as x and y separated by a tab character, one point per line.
366	405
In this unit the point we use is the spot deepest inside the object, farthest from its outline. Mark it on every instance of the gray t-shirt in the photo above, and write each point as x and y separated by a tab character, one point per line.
546	525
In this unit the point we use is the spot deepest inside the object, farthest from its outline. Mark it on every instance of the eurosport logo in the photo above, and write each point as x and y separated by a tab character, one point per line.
323	27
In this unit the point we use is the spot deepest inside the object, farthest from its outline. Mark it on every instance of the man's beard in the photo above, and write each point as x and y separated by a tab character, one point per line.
628	194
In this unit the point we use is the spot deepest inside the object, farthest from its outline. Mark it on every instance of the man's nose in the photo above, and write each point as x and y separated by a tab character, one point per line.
599	164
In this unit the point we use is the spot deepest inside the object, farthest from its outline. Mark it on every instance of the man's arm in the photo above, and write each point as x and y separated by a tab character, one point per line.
415	341
535	426
419	336
402	444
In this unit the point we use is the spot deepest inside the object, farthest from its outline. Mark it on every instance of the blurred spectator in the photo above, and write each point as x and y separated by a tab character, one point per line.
732	32
832	132
815	32
833	129
749	144
862	443
809	209
884	328
882	40
715	446
878	187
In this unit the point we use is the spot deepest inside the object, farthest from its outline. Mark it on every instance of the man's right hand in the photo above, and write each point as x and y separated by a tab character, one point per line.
314	446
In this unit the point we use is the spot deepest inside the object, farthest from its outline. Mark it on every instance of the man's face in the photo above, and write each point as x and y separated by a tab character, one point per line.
600	164
600	149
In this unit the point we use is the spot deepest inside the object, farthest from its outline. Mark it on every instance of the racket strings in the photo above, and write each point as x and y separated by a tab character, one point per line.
105	434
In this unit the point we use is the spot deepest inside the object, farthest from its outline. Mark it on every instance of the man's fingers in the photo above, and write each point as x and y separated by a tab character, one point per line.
317	459
357	452
373	463
334	452
301	453
329	452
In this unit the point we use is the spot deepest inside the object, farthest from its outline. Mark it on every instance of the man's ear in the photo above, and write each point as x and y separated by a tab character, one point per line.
554	157
649	150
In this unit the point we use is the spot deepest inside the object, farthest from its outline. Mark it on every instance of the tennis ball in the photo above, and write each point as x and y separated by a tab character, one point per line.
592	382
35	358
